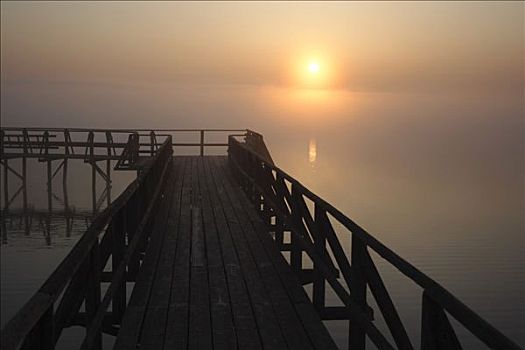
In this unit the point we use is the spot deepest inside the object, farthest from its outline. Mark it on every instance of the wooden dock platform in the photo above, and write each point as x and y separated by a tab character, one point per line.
212	277
190	256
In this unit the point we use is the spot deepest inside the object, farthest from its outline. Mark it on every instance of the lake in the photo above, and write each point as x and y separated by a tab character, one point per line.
438	177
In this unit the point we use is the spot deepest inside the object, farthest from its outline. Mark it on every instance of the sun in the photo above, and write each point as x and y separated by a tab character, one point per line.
312	71
314	67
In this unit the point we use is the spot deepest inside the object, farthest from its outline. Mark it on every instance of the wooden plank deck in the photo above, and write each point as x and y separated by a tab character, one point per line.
212	277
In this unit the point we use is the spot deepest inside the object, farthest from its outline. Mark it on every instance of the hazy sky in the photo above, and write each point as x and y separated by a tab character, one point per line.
367	46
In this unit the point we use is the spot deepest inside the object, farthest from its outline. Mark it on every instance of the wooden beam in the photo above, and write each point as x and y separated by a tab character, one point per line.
436	331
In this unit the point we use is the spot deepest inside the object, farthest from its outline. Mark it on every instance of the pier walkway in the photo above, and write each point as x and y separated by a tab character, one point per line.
214	252
212	277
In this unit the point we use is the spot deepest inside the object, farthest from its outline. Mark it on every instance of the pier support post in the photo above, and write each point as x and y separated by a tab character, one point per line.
49	187
108	182
24	196
94	188
24	183
64	186
109	140
6	184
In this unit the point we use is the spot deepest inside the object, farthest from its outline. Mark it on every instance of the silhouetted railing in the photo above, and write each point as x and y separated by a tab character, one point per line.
120	232
290	208
132	149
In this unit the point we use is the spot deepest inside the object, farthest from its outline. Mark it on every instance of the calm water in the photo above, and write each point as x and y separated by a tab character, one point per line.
437	177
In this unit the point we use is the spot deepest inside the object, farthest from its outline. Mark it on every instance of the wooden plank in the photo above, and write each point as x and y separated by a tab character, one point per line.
154	326
295	294
243	314
281	307
265	317
177	324
220	308
436	331
284	312
134	314
200	330
385	303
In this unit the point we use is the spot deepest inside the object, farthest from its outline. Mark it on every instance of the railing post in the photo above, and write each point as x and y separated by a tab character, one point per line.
91	140
202	143
296	253
436	331
133	218
24	173
153	141
356	339
93	291
245	162
318	293
109	139
119	248
42	335
279	232
64	170
6	186
47	332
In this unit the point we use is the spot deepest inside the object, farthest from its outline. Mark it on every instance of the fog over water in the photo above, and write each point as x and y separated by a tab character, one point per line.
429	159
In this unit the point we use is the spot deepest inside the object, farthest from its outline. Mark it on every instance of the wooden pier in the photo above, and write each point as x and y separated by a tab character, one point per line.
192	256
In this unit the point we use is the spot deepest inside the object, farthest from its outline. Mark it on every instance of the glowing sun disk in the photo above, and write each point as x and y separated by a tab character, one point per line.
314	67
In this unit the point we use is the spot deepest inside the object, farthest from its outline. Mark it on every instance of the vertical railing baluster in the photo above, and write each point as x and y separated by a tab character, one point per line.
46	329
153	142
142	204
93	291
279	232
296	253
356	339
318	293
119	247
49	170
132	221
202	143
91	140
109	141
64	170
248	168
24	175
42	335
6	186
436	331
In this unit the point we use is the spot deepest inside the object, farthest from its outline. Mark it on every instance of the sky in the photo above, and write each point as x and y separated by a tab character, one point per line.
362	46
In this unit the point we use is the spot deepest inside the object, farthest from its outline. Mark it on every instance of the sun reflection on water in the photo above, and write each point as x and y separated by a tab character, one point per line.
312	152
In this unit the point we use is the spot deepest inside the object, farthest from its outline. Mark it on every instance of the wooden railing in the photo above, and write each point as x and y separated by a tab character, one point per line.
120	232
132	149
99	144
290	208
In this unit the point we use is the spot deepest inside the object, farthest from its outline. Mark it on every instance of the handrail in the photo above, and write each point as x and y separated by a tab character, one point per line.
272	185
89	255
17	142
117	130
